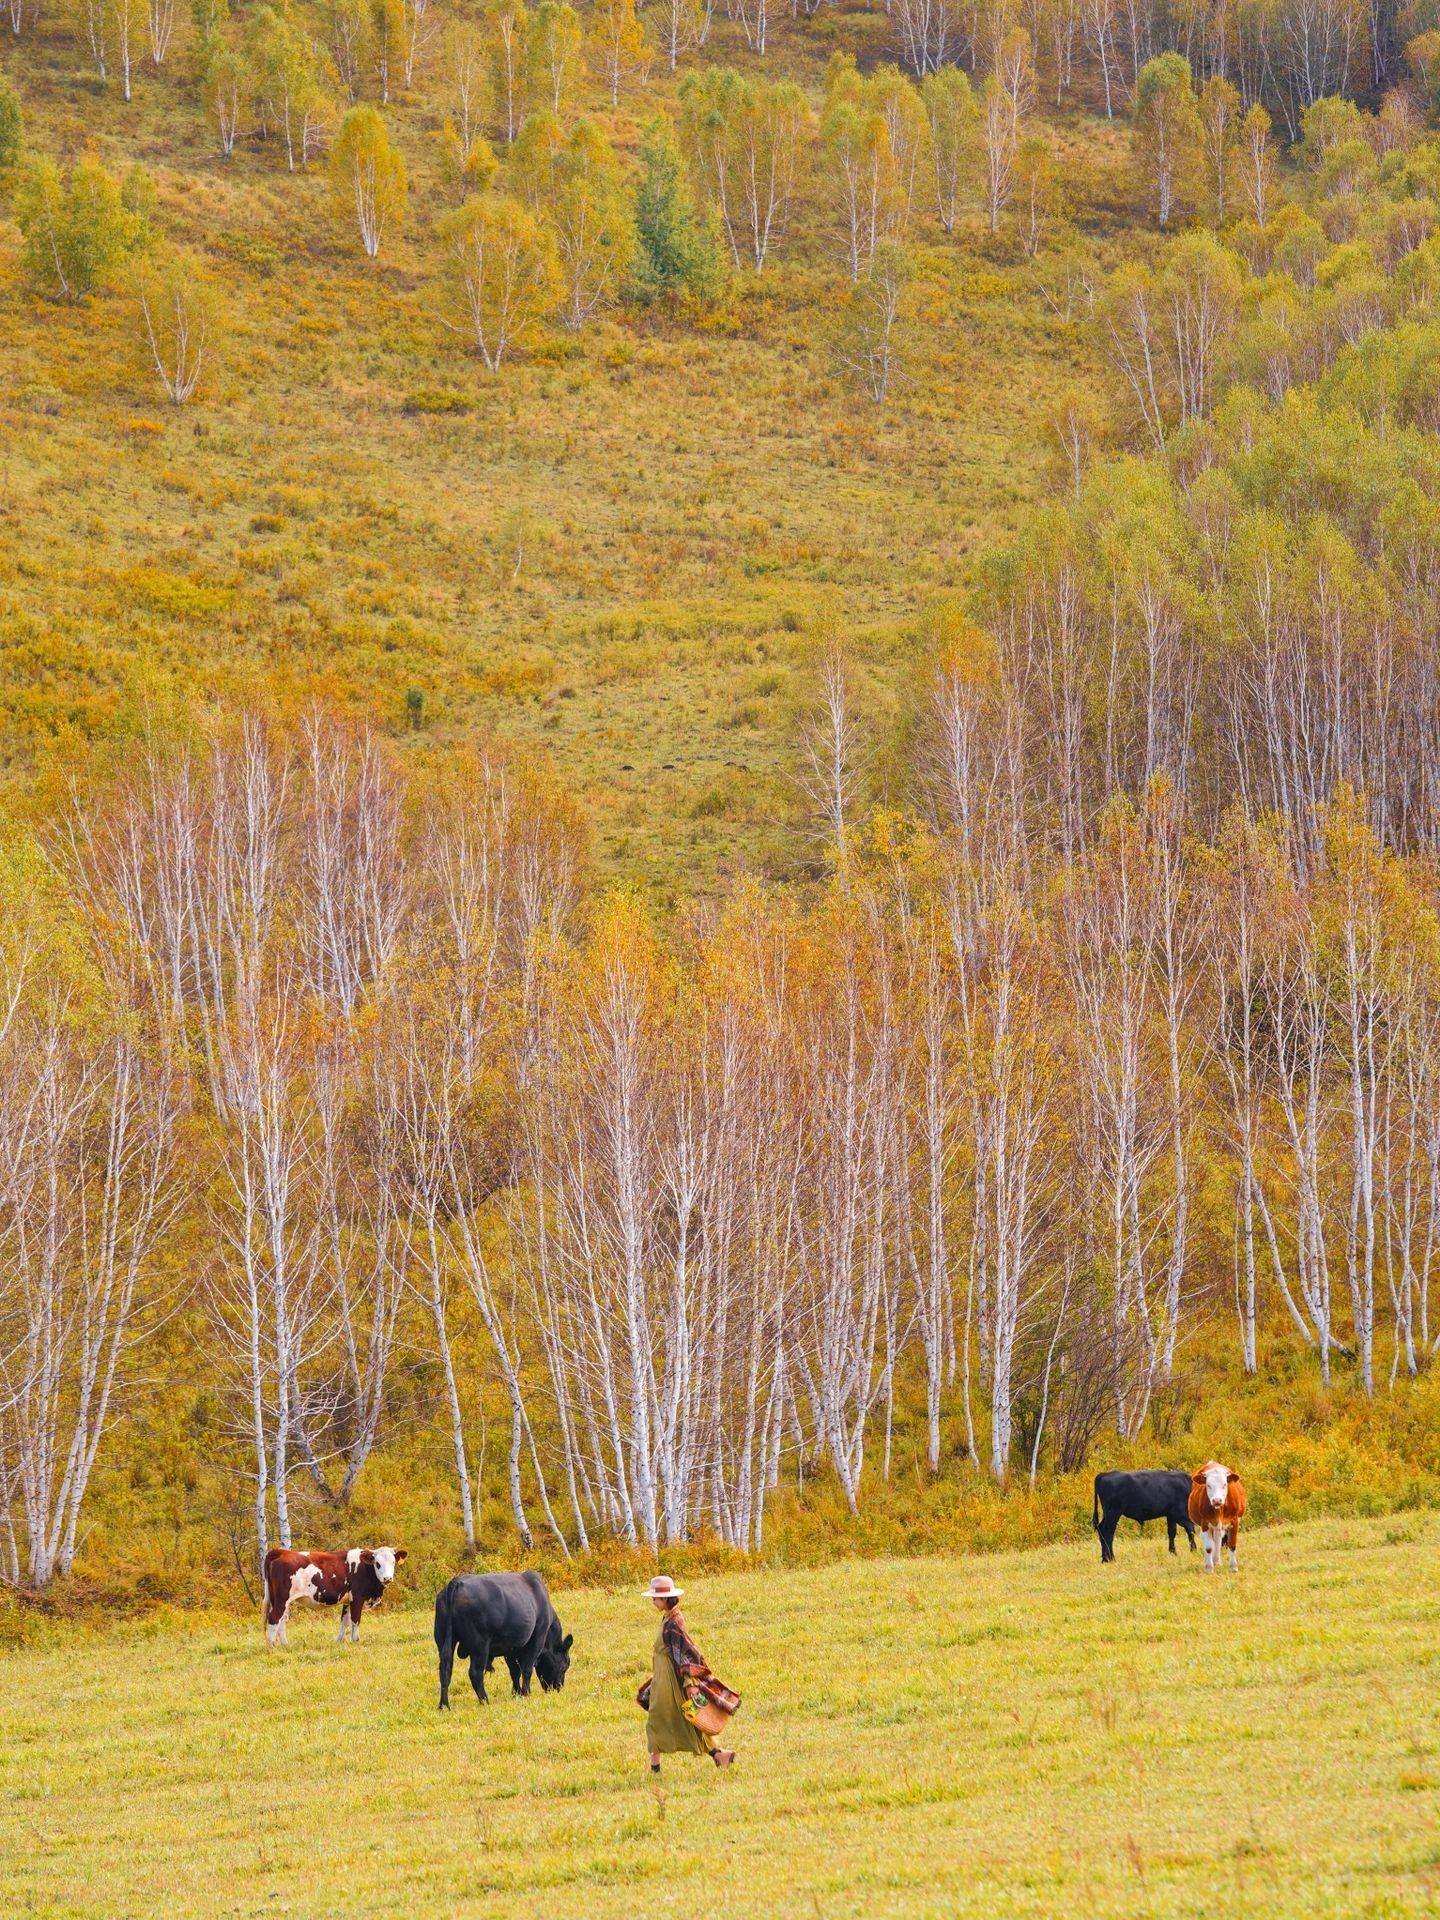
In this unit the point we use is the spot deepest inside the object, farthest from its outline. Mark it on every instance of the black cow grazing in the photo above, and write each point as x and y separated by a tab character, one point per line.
482	1616
1141	1496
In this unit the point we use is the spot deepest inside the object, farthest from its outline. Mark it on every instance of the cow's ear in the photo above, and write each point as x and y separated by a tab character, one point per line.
567	1643
401	1553
1233	1476
1197	1479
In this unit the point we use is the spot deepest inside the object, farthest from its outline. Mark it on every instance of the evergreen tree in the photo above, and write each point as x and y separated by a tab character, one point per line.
11	126
677	252
210	18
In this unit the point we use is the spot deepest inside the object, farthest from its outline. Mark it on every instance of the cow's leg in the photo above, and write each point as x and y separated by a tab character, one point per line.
1108	1523
344	1622
357	1607
528	1657
1234	1543
479	1660
1170	1529
1190	1531
523	1668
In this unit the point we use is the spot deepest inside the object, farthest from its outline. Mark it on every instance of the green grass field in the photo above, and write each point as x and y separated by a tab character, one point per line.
1019	1734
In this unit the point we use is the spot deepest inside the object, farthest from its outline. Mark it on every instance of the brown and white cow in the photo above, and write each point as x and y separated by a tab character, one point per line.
353	1580
1217	1506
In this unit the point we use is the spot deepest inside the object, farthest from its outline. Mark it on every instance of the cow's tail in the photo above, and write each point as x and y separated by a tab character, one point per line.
445	1639
1095	1516
266	1590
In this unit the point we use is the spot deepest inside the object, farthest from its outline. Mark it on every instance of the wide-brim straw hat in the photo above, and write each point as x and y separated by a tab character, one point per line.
662	1588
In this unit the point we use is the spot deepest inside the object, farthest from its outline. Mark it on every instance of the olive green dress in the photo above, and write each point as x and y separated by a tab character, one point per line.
666	1728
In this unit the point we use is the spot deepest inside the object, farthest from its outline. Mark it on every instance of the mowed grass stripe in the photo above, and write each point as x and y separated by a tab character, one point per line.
1028	1734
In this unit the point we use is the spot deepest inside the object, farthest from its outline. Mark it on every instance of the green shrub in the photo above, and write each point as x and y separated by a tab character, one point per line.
436	400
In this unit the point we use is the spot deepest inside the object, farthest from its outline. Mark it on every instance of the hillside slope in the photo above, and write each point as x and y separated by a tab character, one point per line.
618	549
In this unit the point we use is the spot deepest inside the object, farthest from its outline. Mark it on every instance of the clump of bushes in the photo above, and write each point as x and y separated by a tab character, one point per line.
77	226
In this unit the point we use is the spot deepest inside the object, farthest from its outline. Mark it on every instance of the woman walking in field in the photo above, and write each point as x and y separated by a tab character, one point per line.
685	1705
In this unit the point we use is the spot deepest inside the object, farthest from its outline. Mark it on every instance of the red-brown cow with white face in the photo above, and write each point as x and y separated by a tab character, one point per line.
353	1580
1217	1506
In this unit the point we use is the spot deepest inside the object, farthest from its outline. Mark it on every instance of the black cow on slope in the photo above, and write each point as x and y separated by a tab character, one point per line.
484	1615
1142	1496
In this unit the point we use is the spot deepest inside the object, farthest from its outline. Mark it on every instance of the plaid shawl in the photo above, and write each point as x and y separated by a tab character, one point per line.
690	1664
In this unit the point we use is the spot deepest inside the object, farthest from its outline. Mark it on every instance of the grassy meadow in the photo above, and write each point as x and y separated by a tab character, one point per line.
1016	1734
